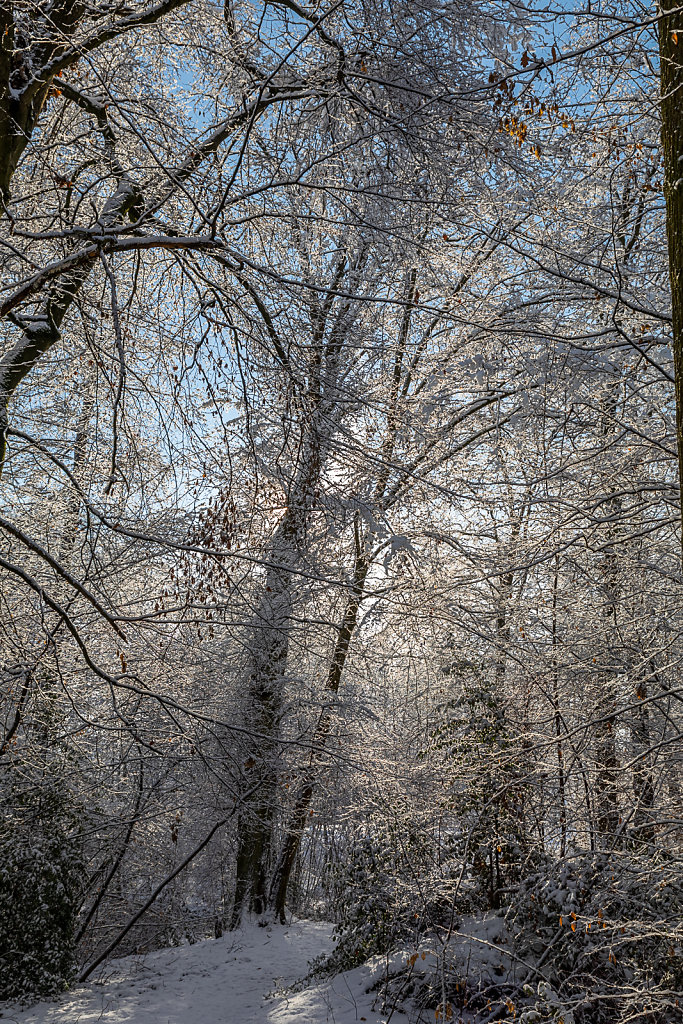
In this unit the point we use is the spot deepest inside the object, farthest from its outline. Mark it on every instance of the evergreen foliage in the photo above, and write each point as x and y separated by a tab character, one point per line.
375	899
41	867
479	751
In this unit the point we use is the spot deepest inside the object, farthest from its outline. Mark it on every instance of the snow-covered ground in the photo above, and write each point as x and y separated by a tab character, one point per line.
238	979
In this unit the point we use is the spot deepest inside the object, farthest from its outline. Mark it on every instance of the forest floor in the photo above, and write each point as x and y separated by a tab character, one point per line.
241	978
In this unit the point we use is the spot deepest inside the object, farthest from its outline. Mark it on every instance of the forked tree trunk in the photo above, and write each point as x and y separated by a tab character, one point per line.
297	820
265	690
270	635
298	817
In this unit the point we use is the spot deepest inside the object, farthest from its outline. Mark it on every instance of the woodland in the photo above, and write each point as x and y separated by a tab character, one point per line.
341	426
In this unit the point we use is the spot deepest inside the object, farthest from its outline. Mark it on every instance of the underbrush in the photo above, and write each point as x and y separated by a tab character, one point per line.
593	939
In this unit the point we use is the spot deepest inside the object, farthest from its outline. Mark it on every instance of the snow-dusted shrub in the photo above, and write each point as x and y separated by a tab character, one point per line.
483	779
376	902
456	974
41	855
41	874
594	939
607	931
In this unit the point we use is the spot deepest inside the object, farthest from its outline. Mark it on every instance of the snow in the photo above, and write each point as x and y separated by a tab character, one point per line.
238	979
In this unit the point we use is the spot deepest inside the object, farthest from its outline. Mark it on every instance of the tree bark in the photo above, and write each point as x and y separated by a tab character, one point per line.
299	814
265	692
671	88
643	782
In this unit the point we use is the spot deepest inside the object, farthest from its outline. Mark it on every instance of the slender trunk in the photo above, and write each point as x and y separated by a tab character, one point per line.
504	599
671	86
607	768
73	500
606	803
643	783
558	722
297	821
66	550
502	633
116	863
85	974
300	812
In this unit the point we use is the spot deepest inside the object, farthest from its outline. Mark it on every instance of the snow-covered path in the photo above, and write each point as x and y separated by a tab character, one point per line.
231	980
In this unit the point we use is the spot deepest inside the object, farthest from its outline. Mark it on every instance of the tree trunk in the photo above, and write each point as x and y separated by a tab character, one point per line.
265	692
561	771
606	803
297	821
606	764
643	782
671	87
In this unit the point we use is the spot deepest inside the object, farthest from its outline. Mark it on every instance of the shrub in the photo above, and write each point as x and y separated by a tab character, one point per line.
375	905
609	927
41	873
